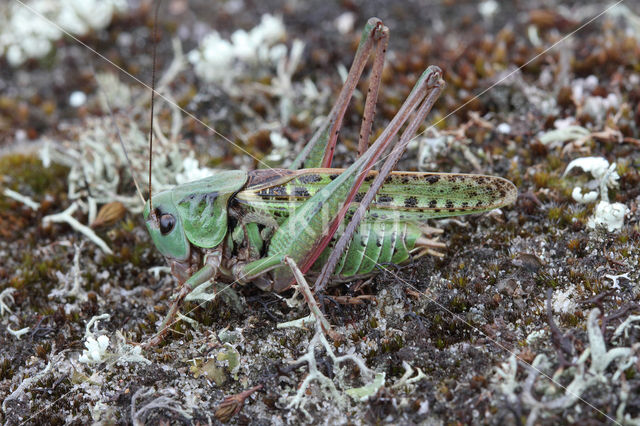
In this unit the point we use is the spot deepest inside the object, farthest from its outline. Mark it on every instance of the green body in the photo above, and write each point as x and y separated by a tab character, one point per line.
271	213
241	225
246	226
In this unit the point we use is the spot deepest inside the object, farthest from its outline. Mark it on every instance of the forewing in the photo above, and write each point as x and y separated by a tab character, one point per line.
409	196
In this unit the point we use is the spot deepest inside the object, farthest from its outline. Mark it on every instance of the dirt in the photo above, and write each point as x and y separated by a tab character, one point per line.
520	296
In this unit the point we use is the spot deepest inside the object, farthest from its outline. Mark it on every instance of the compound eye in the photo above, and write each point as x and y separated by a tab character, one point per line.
167	222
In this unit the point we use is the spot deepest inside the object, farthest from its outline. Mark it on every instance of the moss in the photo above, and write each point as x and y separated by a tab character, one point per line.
6	370
571	320
373	322
391	345
458	304
554	163
43	350
541	179
630	373
37	276
26	174
546	281
554	213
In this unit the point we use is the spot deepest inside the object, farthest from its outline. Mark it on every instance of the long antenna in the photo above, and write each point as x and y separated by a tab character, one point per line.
115	123
153	92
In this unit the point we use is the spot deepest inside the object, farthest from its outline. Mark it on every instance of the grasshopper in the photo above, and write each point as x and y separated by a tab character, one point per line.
265	225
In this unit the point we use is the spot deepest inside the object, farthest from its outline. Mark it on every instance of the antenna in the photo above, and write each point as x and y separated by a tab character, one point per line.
153	92
115	124
124	148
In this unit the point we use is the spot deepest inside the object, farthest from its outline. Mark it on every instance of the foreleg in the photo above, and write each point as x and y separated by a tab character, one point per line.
204	274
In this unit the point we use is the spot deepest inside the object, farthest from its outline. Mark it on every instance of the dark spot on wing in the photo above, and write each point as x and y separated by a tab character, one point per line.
411	202
279	190
384	199
311	178
433	179
300	191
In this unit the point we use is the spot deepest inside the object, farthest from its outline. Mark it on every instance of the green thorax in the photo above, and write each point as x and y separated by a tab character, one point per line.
199	211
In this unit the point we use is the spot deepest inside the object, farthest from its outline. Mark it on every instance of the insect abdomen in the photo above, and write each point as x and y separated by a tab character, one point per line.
374	244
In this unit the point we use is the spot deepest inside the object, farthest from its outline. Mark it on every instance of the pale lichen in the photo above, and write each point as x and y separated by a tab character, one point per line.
96	346
217	59
139	414
608	215
31	28
589	369
6	296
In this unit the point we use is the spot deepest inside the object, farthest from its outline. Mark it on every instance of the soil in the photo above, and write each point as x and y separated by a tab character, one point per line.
530	284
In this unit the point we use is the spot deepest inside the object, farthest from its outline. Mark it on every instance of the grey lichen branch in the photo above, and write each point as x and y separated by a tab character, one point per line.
71	280
139	415
406	378
27	201
18	333
26	383
6	295
96	346
322	329
66	217
588	370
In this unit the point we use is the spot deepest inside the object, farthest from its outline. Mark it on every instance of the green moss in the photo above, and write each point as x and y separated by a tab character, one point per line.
554	162
373	322
554	213
6	372
544	280
392	345
458	304
541	179
26	174
36	275
571	320
630	373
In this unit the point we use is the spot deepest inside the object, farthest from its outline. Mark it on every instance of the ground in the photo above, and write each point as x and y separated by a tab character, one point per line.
529	316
